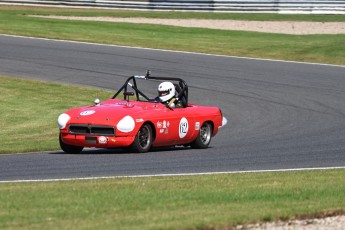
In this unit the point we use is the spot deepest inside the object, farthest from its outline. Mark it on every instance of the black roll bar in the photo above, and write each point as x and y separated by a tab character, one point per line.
183	85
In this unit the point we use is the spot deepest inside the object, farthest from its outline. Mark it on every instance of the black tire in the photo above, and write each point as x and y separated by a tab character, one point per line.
143	140
72	149
203	139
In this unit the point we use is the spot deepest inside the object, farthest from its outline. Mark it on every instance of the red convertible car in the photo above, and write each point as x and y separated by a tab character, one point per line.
138	122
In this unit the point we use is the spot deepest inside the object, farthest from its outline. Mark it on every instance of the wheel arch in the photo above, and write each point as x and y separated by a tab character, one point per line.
212	125
152	128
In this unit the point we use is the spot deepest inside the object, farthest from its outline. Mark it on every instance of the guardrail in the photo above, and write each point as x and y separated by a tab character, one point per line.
247	6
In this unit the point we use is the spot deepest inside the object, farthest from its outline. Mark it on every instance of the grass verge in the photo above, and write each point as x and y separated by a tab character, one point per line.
306	48
191	202
29	110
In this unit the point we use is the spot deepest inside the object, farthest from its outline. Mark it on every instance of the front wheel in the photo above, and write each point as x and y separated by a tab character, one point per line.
203	139
143	140
72	149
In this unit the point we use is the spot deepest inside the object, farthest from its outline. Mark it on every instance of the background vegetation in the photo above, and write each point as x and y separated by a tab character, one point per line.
306	48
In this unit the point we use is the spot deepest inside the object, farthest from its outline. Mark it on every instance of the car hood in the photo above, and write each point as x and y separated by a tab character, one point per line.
106	113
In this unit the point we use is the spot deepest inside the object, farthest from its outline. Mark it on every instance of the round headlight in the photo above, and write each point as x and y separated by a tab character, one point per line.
62	120
126	124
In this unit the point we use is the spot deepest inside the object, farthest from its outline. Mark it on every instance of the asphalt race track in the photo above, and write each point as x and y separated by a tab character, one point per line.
282	115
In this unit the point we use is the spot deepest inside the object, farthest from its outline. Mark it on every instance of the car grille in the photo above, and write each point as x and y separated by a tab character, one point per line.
92	130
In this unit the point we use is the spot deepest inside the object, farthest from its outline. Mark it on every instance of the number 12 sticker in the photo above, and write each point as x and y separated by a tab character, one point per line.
183	129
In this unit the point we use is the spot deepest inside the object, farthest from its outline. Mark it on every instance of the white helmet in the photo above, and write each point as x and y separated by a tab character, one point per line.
166	91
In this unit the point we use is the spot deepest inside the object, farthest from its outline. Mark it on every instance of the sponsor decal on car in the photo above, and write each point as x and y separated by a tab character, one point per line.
121	103
197	125
163	126
125	104
87	112
102	140
183	128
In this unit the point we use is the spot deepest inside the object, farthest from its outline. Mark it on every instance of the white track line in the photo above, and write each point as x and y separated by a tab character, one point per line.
173	175
173	51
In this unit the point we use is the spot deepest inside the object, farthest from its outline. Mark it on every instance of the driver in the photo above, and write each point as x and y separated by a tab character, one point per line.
166	94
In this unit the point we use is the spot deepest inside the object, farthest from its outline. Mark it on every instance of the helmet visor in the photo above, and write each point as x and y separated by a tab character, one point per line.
163	93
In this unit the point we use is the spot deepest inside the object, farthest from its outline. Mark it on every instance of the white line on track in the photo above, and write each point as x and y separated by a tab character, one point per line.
173	51
172	175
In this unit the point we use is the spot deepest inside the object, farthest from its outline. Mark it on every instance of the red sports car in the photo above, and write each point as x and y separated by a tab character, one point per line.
139	122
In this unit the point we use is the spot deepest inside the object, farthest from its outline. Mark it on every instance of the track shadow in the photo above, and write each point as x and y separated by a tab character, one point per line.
92	151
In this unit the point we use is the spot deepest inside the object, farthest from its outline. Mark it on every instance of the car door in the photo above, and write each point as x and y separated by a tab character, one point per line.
181	125
174	126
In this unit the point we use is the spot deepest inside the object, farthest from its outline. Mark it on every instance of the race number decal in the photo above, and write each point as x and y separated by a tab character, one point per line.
87	112
183	128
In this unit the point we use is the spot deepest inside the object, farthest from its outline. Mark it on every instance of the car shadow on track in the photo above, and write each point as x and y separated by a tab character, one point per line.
93	151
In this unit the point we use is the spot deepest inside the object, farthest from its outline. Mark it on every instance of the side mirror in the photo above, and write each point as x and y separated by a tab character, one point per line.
97	102
127	95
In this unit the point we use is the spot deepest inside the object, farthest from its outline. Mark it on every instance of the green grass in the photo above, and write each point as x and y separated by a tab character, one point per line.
29	111
193	202
306	48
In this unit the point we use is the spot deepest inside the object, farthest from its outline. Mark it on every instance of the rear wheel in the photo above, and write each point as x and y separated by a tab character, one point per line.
203	139
69	148
143	140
